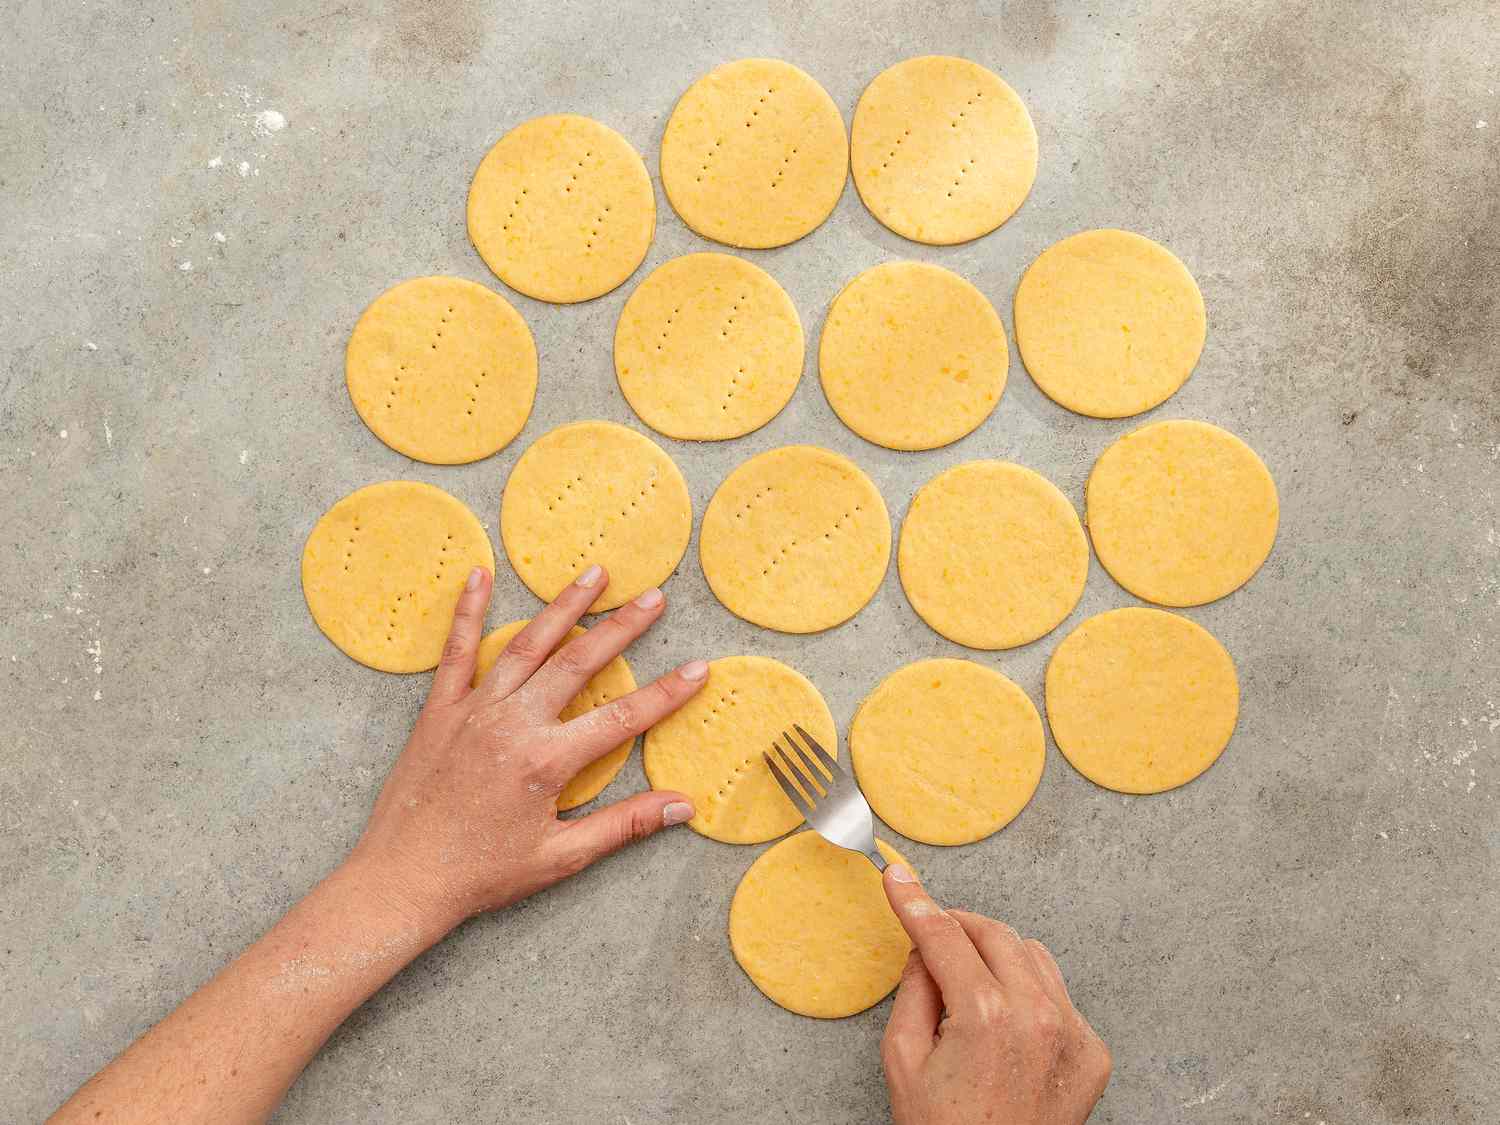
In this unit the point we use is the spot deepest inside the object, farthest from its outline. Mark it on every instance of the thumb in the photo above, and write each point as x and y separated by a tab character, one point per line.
625	822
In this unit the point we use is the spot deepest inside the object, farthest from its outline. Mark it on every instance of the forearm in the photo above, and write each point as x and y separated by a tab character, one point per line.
231	1051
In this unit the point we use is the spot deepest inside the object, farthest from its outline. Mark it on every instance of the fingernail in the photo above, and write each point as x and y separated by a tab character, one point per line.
678	812
476	576
900	873
694	671
589	577
650	599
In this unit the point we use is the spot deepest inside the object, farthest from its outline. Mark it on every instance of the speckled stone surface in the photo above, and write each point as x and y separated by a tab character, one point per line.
196	201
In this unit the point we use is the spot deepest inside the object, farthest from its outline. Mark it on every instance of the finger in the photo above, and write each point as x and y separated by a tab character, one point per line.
946	950
582	841
911	1030
1051	976
1003	952
599	731
567	670
455	669
529	649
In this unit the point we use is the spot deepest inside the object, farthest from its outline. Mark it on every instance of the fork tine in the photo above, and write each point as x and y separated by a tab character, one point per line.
793	793
811	777
829	763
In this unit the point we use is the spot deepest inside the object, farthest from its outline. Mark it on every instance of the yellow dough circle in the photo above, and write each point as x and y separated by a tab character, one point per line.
992	555
912	356
610	682
442	370
812	928
796	539
755	154
1109	323
943	151
1141	700
383	568
947	751
708	347
1181	512
562	209
711	749
595	492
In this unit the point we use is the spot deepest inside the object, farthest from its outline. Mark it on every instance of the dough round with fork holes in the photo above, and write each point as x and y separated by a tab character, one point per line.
442	370
562	209
796	539
383	568
595	492
811	926
942	150
711	749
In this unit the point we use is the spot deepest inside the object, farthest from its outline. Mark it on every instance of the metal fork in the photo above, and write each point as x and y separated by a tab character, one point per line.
829	797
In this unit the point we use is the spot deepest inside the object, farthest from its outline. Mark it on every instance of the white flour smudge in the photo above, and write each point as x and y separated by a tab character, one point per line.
244	168
109	435
269	121
219	236
1205	1098
185	267
216	162
93	347
244	456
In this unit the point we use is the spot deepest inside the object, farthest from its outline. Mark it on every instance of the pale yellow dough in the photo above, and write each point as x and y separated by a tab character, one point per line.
712	749
755	154
383	568
610	682
943	151
912	356
811	927
442	370
796	539
1141	700
708	347
595	492
992	555
1109	323
1181	513
947	751
562	209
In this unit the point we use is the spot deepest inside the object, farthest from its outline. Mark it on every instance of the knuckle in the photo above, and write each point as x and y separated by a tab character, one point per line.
622	715
571	659
456	650
989	1007
524	647
1047	1023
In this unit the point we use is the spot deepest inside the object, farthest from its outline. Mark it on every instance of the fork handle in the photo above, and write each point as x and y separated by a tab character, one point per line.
874	856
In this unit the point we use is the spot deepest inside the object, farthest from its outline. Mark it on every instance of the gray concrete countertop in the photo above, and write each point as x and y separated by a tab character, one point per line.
1305	934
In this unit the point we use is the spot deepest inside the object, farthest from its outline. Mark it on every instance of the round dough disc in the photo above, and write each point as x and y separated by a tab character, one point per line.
1141	700
943	150
796	539
992	555
711	749
708	347
1109	323
755	154
562	209
595	492
442	370
610	682
947	751
912	356
383	568
811	927
1181	512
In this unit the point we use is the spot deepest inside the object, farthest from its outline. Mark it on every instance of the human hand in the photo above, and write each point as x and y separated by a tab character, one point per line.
467	820
982	1029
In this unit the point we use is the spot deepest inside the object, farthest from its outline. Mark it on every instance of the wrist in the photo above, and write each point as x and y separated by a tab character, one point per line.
400	898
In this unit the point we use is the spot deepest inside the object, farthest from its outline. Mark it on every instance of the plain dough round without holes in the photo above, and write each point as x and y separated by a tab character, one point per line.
755	154
1141	700
1109	323
610	682
708	347
562	209
812	928
943	151
947	751
912	356
796	539
1181	513
442	370
992	555
383	569
711	749
595	492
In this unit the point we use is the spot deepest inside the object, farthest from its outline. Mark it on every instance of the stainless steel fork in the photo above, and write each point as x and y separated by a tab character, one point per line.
825	794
